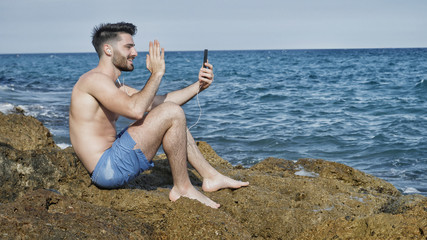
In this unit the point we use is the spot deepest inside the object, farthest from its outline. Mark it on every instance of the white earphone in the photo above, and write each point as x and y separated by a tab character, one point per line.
109	51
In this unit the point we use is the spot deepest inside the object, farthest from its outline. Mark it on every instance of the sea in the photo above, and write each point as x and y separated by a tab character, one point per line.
366	108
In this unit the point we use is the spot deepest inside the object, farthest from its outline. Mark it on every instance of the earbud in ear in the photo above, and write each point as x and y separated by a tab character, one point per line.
109	51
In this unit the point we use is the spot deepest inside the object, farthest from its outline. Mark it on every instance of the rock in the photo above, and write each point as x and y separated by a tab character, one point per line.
408	224
46	193
24	133
44	214
211	156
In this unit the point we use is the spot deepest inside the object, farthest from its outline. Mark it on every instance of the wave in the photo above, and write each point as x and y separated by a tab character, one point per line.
6	108
422	84
7	88
63	145
411	190
39	111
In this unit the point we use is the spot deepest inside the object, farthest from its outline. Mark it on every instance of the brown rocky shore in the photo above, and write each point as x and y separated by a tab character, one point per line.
47	194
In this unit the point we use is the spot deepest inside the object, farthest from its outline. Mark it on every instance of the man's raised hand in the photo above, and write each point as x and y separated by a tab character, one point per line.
155	60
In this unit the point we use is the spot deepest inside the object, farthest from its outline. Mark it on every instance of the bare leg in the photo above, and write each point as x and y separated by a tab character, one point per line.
212	179
166	124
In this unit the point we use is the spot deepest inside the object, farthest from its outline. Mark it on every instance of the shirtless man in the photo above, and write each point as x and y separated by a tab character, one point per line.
98	100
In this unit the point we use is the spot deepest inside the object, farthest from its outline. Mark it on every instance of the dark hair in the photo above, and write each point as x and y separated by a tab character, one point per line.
106	32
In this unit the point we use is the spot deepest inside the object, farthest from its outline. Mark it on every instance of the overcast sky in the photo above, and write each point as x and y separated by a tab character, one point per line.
55	26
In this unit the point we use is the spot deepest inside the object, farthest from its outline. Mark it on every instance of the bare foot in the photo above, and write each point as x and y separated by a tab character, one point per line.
220	181
192	193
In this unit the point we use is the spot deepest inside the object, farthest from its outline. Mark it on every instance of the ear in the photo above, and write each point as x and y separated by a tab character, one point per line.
108	49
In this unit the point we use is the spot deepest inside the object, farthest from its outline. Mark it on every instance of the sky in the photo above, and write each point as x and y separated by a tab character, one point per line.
64	26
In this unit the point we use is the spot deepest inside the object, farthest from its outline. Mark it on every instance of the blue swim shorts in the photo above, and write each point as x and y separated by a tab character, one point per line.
120	163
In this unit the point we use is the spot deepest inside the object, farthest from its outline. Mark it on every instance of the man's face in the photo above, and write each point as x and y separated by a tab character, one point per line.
124	53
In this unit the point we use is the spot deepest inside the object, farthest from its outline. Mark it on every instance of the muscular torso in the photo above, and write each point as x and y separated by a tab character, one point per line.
92	126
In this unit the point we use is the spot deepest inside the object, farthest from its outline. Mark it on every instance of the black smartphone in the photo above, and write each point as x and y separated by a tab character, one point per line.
205	58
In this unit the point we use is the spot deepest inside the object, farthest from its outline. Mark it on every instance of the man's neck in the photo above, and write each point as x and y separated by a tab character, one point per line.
109	69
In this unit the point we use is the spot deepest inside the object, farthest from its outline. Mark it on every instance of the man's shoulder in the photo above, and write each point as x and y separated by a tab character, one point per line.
94	76
87	86
92	79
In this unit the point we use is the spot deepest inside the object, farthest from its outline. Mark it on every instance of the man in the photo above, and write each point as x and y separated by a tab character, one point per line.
98	100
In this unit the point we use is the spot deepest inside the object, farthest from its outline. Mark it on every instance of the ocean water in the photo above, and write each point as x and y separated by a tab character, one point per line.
366	108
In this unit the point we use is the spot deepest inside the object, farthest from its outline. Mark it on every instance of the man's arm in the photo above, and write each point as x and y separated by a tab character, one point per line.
184	95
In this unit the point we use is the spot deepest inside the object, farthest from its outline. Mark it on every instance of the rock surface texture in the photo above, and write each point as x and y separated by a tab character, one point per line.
47	194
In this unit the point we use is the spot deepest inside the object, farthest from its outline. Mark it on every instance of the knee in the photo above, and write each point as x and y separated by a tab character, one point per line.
173	110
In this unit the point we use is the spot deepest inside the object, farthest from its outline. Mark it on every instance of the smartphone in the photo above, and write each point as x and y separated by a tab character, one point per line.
205	58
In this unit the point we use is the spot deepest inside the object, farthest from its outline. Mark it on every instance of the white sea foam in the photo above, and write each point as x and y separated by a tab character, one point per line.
34	110
6	107
305	173
63	145
422	81
411	190
38	110
6	88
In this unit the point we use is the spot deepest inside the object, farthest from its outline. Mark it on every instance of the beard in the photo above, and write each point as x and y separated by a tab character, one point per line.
121	62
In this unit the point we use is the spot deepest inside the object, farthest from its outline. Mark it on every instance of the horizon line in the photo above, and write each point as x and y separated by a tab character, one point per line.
223	50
